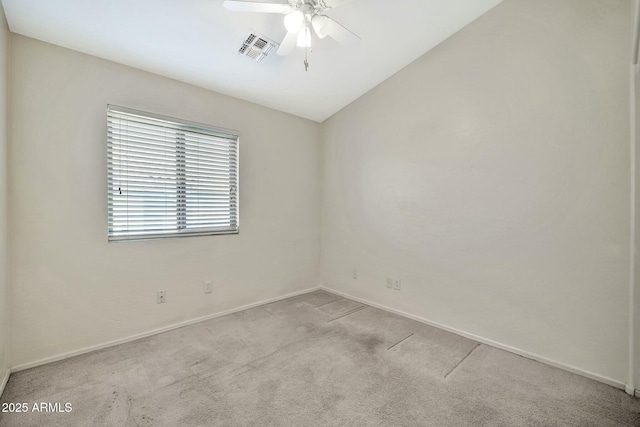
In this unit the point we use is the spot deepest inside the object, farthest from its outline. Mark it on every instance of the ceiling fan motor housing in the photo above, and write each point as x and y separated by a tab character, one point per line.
308	6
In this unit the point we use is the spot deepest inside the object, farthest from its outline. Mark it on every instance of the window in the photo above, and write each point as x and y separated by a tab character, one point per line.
169	178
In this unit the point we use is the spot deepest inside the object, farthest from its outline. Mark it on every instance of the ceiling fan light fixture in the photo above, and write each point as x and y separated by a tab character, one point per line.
321	25
293	21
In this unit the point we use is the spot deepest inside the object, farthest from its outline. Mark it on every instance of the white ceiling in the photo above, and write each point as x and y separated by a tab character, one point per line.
196	41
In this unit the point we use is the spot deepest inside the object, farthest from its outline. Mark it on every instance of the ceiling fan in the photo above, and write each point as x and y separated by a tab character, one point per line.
300	17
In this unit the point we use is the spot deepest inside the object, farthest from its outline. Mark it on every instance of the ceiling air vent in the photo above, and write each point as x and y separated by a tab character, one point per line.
257	47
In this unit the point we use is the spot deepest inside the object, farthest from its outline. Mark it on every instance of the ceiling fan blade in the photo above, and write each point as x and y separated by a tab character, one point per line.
288	43
251	6
341	34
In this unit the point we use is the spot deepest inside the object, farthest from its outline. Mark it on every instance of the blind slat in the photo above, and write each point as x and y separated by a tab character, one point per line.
151	198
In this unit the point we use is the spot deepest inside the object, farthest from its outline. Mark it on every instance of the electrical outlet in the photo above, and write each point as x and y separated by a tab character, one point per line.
208	287
389	282
397	284
354	274
162	297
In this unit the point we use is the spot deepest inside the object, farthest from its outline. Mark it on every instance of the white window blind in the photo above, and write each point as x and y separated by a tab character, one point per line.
169	178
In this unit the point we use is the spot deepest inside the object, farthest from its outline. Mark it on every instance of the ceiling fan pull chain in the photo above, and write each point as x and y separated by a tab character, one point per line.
306	63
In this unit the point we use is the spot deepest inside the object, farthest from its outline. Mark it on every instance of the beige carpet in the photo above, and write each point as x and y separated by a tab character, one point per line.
312	360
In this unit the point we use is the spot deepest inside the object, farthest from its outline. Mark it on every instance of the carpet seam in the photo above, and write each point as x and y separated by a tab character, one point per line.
463	359
348	313
330	302
402	340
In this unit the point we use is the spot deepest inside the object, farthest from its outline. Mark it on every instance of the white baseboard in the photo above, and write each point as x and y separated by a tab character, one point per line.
5	379
153	332
546	361
630	390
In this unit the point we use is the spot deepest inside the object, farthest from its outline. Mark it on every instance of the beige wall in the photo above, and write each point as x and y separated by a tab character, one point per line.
69	287
4	61
492	176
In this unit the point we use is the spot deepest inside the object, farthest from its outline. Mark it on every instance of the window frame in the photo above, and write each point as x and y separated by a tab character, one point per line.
181	201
